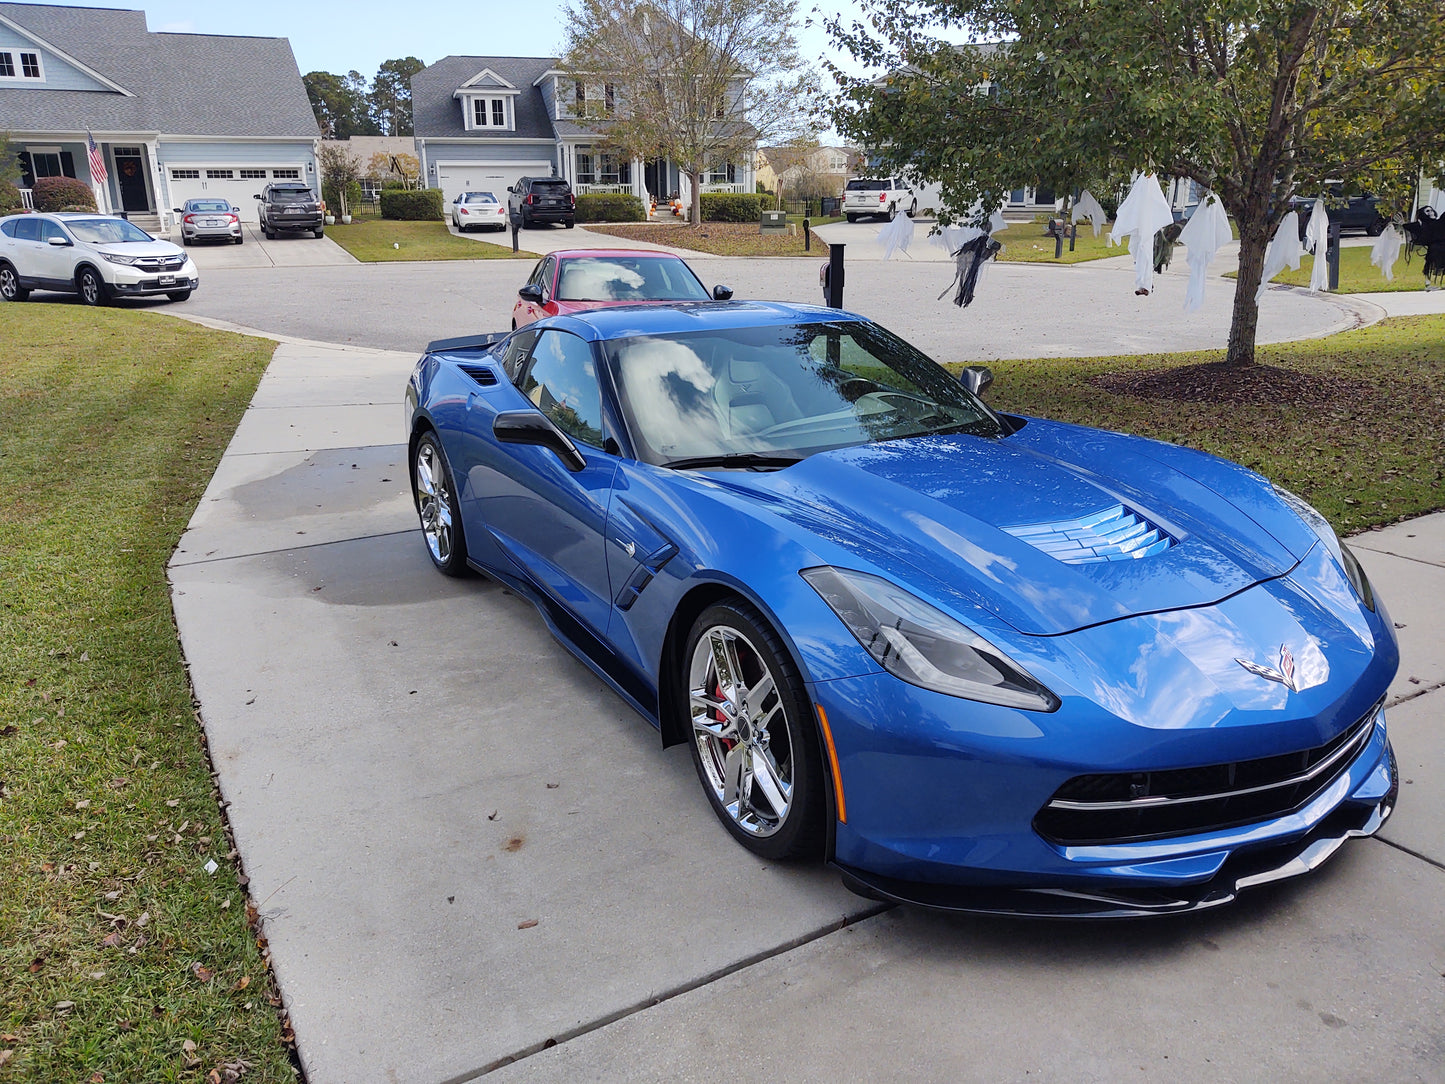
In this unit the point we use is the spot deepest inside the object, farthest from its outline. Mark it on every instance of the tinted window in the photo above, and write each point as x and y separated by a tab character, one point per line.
550	188
864	184
99	231
8	228
628	278
291	195
209	205
479	197
28	229
562	381
516	351
49	229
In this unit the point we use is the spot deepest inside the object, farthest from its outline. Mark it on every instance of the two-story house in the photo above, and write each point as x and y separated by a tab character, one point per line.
481	122
172	115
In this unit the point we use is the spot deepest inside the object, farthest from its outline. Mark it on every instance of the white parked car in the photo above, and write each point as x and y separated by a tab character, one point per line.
96	256
480	209
884	196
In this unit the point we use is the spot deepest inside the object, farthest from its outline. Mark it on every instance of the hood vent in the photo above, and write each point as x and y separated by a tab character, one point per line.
1115	534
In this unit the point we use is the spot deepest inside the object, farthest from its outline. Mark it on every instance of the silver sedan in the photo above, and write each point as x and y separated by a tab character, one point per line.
210	219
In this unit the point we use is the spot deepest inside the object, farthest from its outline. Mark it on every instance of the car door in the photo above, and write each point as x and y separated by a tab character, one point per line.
56	262
550	520
524	312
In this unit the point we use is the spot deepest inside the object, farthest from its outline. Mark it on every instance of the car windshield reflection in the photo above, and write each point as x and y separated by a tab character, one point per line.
104	231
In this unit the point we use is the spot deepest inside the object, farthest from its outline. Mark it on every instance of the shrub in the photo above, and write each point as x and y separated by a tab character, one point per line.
419	205
58	193
610	207
9	197
330	192
732	207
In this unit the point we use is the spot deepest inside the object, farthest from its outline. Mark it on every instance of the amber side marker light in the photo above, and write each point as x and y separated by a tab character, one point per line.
833	762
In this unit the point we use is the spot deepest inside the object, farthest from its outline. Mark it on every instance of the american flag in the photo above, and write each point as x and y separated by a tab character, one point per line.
97	160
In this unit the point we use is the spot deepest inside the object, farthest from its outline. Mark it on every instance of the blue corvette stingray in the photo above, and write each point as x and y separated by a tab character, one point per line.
977	661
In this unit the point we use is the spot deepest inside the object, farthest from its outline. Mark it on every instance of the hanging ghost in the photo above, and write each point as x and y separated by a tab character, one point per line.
1206	232
970	248
896	236
1143	213
1164	245
1386	250
1427	233
1284	251
1317	240
1086	206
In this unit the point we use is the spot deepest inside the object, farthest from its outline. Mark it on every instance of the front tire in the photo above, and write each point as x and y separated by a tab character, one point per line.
754	744
92	287
437	507
10	288
179	295
913	209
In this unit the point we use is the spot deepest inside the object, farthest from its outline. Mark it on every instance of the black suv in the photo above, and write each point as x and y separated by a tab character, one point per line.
290	206
1350	212
542	199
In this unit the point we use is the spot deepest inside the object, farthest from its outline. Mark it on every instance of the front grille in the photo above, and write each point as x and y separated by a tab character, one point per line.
1113	534
1123	807
159	263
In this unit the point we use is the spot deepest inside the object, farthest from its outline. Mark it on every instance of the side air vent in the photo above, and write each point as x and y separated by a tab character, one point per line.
1114	534
480	373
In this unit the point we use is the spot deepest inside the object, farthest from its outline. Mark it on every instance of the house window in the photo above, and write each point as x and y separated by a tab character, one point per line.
29	66
253	174
499	113
185	174
720	173
286	174
594	99
489	113
220	174
593	168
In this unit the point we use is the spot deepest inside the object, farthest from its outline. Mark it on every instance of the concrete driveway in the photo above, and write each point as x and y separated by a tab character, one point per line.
288	250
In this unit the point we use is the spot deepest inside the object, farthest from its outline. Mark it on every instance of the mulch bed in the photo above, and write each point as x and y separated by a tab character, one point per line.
1242	385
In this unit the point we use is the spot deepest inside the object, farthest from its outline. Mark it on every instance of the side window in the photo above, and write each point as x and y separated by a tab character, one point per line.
516	352
535	278
49	229
27	229
8	228
549	266
561	380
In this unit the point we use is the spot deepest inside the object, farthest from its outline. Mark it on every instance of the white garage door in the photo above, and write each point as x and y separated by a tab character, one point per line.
485	177
226	182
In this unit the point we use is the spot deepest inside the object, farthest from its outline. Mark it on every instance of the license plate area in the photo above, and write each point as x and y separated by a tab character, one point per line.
168	280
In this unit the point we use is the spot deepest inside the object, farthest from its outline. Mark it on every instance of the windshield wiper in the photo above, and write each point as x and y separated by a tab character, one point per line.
735	459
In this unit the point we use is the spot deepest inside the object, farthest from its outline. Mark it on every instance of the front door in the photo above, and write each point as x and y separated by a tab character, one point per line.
130	171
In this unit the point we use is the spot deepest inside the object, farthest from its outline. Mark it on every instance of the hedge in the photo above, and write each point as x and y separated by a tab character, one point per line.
733	206
9	198
416	205
610	207
62	193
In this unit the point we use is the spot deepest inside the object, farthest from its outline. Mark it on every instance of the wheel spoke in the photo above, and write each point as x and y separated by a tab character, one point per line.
732	779
703	709
729	673
424	479
768	778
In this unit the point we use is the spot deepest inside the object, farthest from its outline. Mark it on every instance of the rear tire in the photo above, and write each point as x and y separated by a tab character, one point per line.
571	222
241	240
10	288
91	287
759	762
851	218
437	507
318	233
913	209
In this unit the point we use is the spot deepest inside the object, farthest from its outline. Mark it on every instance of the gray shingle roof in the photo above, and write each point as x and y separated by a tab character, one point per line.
184	84
435	114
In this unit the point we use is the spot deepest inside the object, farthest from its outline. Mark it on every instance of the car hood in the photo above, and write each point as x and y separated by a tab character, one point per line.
1000	526
143	248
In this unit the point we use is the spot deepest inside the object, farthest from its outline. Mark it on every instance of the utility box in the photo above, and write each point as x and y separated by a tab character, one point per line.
773	222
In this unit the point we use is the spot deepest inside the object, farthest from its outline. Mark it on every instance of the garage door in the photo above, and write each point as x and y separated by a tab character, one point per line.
240	186
482	177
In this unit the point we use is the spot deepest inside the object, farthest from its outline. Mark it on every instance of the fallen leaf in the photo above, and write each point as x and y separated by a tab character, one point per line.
527	925
112	939
243	982
85	656
113	895
5	1055
64	1006
493	814
144	920
96	1077
205	974
553	786
6	731
173	802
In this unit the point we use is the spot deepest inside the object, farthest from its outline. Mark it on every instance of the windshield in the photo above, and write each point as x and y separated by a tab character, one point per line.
628	278
785	392
100	231
480	197
864	184
209	205
291	195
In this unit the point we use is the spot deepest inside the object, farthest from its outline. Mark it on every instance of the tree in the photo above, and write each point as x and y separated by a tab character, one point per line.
11	171
390	99
403	167
340	103
340	175
695	81
1256	100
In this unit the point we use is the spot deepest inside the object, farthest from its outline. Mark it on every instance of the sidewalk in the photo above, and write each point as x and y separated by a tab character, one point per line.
465	849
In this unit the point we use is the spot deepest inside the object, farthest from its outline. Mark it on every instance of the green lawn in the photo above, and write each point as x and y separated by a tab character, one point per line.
1358	428
717	238
1359	276
378	240
1026	242
117	948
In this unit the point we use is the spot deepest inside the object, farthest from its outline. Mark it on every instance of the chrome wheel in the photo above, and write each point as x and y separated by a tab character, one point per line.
739	725
10	288
92	290
434	502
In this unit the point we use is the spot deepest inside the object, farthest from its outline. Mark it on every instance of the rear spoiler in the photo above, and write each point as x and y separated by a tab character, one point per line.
479	342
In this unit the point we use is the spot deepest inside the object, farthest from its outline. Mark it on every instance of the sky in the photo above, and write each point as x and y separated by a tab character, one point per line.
333	36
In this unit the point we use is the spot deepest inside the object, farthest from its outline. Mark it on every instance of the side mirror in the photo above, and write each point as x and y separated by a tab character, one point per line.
531	292
511	188
60	242
722	293
976	378
178	210
534	427
256	196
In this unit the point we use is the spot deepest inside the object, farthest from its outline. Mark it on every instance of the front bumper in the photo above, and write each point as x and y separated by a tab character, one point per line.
129	281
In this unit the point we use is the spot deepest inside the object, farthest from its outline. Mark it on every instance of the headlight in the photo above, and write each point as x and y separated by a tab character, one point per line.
1342	555
923	645
114	258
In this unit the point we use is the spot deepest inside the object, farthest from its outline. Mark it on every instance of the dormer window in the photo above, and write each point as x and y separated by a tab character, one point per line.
20	66
489	112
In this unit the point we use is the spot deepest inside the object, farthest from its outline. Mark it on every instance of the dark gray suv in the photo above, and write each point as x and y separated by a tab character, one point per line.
542	199
290	206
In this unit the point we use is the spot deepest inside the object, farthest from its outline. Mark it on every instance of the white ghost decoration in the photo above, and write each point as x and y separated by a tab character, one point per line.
1386	250
1143	213
1317	240
1206	232
1284	251
1088	207
896	236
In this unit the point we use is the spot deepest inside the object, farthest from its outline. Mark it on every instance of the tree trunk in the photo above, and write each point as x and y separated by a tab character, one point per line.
695	215
1253	240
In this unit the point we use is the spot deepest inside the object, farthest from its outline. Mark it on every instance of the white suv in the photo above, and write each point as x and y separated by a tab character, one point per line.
878	196
96	256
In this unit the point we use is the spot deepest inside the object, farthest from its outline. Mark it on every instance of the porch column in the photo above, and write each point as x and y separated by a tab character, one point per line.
639	182
159	192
